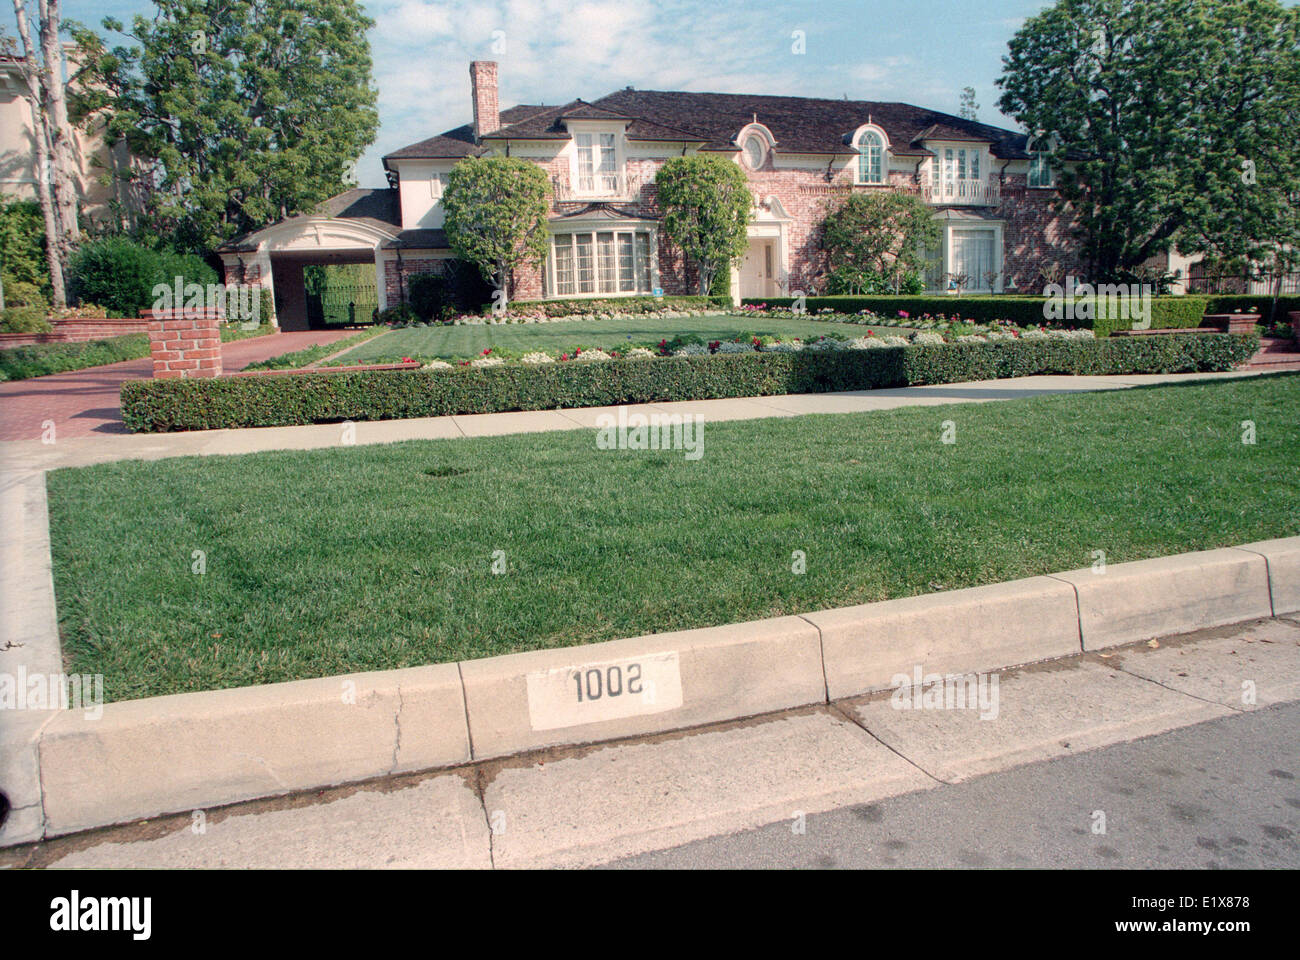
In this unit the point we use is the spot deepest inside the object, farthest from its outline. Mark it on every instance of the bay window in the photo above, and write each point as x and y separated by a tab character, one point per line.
600	263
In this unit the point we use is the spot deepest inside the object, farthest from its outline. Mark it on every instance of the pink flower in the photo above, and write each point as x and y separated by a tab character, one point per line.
904	314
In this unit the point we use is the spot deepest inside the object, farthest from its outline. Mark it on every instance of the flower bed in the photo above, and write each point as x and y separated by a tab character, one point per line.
165	405
1166	311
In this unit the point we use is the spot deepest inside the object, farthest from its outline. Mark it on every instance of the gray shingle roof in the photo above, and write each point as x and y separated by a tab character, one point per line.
799	124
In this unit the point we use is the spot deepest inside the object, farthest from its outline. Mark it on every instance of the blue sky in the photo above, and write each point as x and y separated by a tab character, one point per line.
552	51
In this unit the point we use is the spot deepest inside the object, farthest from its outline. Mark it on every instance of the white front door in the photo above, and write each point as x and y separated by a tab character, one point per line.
757	269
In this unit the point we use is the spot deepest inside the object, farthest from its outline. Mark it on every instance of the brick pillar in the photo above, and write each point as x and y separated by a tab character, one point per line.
184	343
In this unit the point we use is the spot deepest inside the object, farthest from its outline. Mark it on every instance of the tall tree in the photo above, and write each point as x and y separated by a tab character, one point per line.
969	109
56	164
495	216
244	112
1170	123
706	207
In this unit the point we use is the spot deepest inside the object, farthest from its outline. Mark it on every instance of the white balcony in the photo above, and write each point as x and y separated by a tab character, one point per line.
968	193
596	188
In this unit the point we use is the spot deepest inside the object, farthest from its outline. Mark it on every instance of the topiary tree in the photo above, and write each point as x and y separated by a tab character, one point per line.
706	207
495	216
879	239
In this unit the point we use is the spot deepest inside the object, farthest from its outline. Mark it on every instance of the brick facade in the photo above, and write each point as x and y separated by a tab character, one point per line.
1034	236
184	344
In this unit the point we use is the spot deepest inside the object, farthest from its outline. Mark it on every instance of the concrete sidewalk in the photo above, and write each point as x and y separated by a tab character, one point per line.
585	806
28	455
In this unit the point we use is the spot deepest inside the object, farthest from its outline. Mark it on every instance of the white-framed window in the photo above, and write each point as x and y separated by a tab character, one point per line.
754	151
597	164
970	250
601	263
871	157
1040	171
437	184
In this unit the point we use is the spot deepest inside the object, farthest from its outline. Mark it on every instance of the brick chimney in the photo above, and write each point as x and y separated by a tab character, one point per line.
483	87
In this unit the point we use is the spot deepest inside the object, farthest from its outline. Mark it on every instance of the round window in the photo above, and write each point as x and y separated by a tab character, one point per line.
754	152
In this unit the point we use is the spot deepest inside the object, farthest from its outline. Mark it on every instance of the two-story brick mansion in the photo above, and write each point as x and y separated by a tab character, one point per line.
799	154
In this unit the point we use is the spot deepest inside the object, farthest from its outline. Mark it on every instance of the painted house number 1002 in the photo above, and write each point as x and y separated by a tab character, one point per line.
594	683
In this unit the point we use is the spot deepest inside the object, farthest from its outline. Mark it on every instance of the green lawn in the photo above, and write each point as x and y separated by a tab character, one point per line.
447	342
364	558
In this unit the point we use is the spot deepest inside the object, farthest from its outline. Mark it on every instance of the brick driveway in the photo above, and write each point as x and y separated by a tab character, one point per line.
85	402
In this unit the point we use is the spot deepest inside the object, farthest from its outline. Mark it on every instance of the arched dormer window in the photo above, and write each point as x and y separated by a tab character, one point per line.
1040	151
755	142
871	155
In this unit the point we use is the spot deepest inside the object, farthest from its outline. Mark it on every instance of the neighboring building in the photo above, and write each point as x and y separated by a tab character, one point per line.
96	189
800	155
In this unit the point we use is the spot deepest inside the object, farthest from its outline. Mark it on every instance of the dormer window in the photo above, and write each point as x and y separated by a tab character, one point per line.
1040	171
755	150
597	164
871	156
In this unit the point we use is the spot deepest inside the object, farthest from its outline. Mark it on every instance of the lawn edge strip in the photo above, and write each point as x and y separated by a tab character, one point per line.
159	755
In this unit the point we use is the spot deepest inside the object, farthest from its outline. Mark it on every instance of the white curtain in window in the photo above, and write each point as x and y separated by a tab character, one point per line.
973	254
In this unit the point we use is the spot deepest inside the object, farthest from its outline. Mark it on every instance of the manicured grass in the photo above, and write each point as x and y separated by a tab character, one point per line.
470	340
309	355
43	359
366	558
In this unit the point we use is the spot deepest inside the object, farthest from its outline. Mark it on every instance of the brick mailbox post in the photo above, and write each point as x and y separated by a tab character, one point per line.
184	343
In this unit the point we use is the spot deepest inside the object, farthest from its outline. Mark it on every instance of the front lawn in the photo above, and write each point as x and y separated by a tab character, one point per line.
470	340
373	557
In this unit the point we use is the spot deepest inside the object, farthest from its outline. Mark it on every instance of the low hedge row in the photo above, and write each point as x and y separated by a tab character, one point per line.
1254	303
167	405
567	308
41	359
1025	311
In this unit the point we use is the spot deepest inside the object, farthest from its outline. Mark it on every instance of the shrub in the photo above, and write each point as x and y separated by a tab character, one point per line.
120	274
38	360
428	297
165	405
24	320
566	308
1254	303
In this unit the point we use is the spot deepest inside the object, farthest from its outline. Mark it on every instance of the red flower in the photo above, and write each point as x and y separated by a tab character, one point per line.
487	351
871	333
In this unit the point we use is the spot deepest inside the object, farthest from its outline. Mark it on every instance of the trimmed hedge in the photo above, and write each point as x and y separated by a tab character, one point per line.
1025	311
42	359
567	308
1256	303
167	405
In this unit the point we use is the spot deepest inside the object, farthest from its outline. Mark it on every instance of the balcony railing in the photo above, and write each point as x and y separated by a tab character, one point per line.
597	187
970	193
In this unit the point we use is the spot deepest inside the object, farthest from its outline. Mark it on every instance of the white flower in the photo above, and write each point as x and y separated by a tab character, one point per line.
592	355
894	341
781	347
972	338
1033	333
923	336
486	362
691	350
639	353
999	335
730	347
537	357
437	365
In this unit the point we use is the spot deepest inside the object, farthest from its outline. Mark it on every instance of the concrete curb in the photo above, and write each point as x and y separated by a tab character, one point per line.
160	755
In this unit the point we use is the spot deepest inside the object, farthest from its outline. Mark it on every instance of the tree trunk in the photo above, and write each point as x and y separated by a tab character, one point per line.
62	145
39	134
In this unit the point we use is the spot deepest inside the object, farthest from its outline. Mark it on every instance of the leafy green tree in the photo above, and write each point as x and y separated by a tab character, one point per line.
878	238
24	273
1167	122
706	207
242	112
495	216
